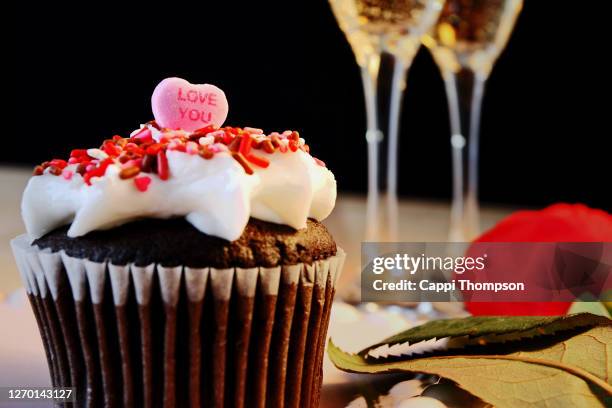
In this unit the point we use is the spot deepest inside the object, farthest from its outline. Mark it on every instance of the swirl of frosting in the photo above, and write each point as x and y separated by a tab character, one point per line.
101	189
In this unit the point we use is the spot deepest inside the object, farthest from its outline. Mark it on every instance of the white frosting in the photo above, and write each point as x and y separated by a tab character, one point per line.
216	196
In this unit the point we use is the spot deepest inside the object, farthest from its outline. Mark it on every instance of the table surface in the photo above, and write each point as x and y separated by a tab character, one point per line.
420	221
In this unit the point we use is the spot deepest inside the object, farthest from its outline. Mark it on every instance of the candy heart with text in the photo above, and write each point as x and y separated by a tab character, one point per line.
178	104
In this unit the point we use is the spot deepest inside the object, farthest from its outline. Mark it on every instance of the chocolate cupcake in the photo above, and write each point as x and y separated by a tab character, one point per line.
184	265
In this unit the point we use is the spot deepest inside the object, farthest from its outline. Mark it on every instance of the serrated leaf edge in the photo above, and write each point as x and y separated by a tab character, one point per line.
334	351
493	338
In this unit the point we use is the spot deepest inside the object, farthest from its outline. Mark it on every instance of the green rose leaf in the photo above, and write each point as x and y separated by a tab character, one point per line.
484	331
572	370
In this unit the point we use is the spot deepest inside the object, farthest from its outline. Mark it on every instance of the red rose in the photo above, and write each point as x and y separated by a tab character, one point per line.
557	223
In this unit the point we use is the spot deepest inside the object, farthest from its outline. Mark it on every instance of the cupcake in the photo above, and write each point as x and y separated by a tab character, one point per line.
184	265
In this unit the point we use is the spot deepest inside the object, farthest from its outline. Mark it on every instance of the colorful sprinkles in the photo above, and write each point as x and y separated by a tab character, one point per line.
143	153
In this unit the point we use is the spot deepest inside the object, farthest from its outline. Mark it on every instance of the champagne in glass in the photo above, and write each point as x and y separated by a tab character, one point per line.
466	41
374	27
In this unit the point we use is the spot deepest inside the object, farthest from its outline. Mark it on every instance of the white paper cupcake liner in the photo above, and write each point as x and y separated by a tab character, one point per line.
127	335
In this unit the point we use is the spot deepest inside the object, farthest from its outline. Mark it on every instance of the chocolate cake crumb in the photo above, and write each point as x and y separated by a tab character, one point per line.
172	242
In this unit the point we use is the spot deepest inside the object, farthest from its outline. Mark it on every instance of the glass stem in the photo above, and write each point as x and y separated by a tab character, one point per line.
464	91
382	222
398	86
369	76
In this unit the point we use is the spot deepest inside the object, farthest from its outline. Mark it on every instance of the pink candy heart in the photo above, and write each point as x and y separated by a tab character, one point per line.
177	104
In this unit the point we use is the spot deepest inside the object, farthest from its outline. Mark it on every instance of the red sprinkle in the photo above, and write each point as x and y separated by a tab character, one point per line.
143	136
206	129
227	137
134	148
257	160
78	153
154	148
295	136
162	165
142	183
245	144
97	171
319	162
234	145
129	172
110	149
293	145
67	174
206	152
81	169
141	153
58	163
180	148
147	163
267	146
241	159
56	171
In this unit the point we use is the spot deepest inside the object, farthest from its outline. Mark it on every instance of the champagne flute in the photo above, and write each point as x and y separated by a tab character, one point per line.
374	28
466	41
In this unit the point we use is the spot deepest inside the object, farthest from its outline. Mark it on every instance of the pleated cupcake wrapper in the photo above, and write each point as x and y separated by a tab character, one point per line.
178	336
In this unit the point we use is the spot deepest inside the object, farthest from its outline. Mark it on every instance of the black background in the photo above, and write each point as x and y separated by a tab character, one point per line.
82	74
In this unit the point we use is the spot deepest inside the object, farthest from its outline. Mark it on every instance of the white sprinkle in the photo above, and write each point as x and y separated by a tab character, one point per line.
97	154
219	147
155	133
191	147
256	131
206	140
137	130
259	138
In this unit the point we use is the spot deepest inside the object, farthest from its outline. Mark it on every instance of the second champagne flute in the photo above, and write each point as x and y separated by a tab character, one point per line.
374	27
465	43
